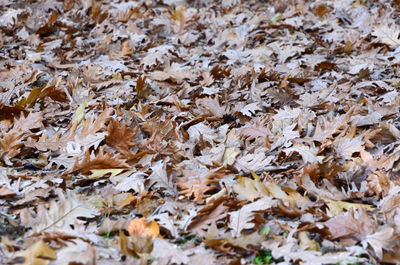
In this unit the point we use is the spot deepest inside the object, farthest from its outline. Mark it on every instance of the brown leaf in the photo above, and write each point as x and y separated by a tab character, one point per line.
196	185
4	192
379	183
213	211
354	225
120	137
10	143
211	106
32	121
102	160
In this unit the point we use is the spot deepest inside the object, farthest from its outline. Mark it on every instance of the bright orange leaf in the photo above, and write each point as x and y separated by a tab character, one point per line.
139	226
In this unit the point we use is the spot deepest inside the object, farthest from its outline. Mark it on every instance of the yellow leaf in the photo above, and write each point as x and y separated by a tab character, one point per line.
250	189
96	173
306	243
179	17
58	82
272	188
125	245
336	207
230	156
277	192
80	113
122	202
38	254
348	47
32	97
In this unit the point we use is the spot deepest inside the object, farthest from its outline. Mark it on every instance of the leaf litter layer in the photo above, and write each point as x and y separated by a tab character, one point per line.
199	132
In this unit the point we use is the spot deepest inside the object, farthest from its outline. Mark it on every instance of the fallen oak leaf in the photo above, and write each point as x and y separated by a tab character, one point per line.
380	240
37	254
250	189
243	218
213	211
76	251
10	144
388	34
102	160
32	121
306	243
60	215
121	137
355	225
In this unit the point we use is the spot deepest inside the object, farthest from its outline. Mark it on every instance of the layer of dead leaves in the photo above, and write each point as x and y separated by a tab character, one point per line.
199	132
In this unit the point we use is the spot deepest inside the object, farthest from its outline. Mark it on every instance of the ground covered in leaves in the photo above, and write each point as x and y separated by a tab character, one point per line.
199	132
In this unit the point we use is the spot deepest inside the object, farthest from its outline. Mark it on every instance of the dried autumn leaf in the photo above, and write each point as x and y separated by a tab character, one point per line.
102	160
388	34
120	137
257	161
197	185
76	252
79	113
130	180
250	109
346	146
32	121
354	225
250	189
5	192
135	244
211	106
95	124
242	218
37	254
176	73
230	155
41	93
307	243
337	207
159	177
10	17
383	239
379	183
169	253
308	154
10	143
60	215
327	127
178	17
142	90
214	210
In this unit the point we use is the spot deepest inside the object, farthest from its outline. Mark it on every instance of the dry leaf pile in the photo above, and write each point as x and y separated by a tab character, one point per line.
199	132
